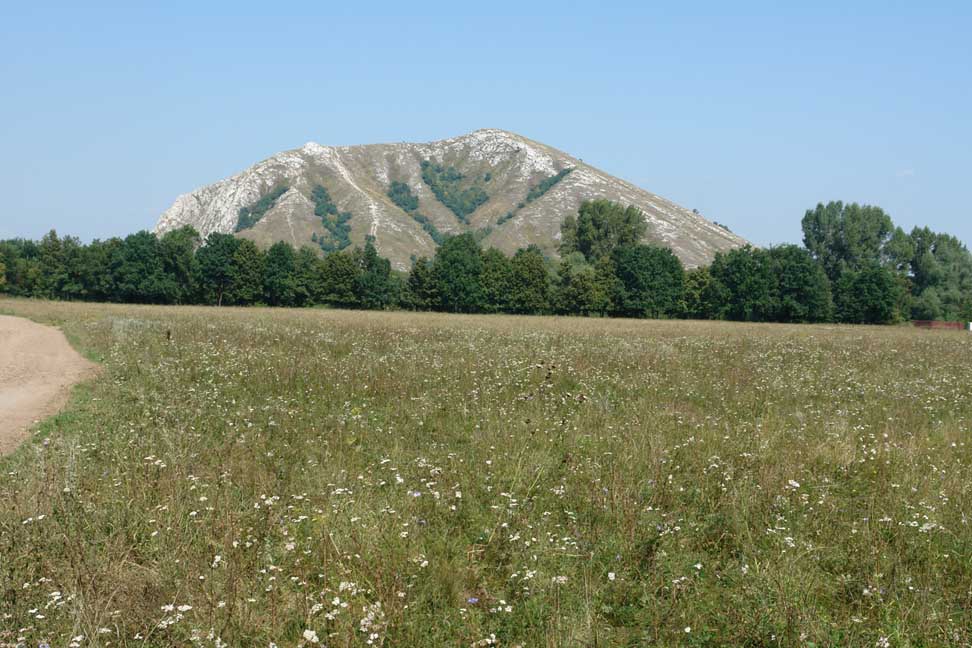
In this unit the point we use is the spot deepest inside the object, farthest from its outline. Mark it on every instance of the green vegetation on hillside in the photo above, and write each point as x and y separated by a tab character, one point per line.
545	185
334	221
453	190
250	216
401	194
275	476
535	192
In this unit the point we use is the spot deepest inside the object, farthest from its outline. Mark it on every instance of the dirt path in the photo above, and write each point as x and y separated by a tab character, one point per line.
37	369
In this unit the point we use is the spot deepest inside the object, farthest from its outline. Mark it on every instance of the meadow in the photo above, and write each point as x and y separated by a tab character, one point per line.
261	477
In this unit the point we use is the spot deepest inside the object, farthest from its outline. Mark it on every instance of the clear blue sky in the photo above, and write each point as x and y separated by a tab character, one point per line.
749	112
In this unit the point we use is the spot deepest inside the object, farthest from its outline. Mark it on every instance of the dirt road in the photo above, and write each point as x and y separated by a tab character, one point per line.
37	369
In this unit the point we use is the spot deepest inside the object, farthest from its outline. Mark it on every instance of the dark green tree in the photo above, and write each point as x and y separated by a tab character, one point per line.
178	250
279	275
374	280
308	268
579	289
599	227
849	237
138	272
497	281
339	280
75	260
53	270
23	267
420	289
871	295
216	266
246	275
458	268
746	287
941	276
651	281
802	286
699	298
530	282
98	277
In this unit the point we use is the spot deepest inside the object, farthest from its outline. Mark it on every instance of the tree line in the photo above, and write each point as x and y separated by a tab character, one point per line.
855	266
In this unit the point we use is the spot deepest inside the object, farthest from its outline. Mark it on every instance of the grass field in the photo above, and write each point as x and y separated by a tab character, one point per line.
350	478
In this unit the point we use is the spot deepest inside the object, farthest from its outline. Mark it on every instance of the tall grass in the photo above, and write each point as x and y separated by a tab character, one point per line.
250	477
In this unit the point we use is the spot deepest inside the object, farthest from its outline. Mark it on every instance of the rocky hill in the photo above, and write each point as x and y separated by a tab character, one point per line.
511	190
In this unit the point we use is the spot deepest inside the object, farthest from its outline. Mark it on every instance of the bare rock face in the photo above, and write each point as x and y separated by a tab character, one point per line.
503	165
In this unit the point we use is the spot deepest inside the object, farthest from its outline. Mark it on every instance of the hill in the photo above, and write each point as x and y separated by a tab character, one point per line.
510	189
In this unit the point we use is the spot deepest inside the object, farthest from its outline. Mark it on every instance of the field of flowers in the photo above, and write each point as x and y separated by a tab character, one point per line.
300	478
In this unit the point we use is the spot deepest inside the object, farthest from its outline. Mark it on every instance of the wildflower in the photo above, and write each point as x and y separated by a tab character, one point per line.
311	636
611	576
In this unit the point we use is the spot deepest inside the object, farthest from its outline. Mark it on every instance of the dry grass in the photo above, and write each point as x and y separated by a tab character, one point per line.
426	480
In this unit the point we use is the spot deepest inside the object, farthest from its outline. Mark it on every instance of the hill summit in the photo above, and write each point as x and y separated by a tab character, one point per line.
510	190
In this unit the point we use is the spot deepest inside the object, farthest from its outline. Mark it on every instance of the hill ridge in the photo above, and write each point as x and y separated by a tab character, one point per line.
495	171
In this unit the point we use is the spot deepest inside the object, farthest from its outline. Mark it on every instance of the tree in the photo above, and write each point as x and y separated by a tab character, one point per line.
870	295
216	266
530	282
650	283
3	276
178	250
848	237
339	280
497	280
746	288
600	227
245	275
698	295
941	276
97	275
420	289
23	268
308	268
580	290
53	271
138	273
74	257
279	275
458	268
374	280
802	286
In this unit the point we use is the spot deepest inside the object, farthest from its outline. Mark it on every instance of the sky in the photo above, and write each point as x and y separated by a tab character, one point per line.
749	112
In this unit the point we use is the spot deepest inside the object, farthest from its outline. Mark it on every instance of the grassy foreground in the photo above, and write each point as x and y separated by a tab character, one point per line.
349	478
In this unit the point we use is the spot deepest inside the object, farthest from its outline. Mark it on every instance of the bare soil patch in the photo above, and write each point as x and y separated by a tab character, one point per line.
37	369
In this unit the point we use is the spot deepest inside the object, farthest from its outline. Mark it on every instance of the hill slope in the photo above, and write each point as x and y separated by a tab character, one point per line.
512	190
